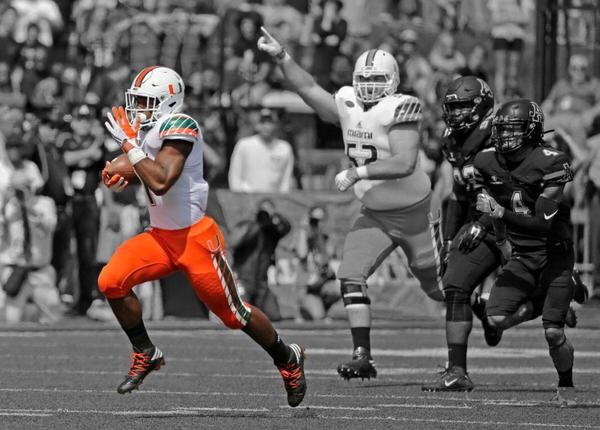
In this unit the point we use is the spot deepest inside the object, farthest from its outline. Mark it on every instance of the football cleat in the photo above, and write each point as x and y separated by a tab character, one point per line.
491	334
361	365
453	379
293	376
580	290
571	318
142	363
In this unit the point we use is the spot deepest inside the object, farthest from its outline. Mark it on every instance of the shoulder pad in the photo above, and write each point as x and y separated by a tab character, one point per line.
407	109
555	166
179	126
345	94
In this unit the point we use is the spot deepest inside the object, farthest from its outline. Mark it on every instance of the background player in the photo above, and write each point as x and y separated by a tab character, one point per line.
166	154
469	253
525	181
381	138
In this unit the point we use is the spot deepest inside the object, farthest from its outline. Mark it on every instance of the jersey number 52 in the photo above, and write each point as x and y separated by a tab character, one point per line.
361	151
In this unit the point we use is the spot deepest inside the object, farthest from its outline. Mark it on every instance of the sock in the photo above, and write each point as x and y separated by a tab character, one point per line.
279	351
457	355
361	336
565	379
138	336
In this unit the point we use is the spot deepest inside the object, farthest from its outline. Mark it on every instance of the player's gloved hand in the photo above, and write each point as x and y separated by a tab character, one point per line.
115	183
346	178
488	205
124	133
471	237
271	46
444	257
505	249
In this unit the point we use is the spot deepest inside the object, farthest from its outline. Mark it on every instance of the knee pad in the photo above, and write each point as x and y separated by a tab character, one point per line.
458	305
354	292
555	337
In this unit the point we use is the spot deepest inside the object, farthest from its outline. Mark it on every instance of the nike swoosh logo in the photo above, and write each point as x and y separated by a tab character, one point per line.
448	383
547	217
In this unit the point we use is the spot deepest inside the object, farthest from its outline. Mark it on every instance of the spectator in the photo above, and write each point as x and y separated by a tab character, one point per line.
9	51
328	33
262	163
180	48
84	156
44	13
8	95
254	242
509	19
415	71
444	57
574	102
32	64
315	251
26	225
475	63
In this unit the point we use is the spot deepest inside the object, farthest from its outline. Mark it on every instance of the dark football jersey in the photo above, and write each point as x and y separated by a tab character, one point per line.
460	151
518	189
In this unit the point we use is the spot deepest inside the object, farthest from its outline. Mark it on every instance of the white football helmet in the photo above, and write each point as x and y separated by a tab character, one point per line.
375	76
157	89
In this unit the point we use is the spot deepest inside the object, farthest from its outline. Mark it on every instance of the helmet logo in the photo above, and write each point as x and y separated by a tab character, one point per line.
536	113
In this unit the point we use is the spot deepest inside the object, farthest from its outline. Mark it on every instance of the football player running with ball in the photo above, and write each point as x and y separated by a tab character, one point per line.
381	138
165	148
524	182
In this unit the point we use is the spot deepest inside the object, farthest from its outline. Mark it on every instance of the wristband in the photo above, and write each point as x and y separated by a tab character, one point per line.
361	172
136	155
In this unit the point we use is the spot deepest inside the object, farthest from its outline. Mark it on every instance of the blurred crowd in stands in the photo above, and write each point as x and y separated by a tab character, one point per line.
63	63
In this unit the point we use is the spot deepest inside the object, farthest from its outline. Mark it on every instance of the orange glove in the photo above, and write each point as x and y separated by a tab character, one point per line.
114	183
124	133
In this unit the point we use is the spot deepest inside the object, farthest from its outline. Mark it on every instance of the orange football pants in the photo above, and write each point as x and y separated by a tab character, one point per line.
198	251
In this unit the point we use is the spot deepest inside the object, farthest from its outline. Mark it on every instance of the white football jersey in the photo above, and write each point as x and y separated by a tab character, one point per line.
185	202
366	140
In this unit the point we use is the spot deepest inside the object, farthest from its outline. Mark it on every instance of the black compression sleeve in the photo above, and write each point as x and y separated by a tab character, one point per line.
545	210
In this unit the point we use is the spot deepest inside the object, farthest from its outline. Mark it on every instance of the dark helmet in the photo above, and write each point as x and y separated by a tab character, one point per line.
516	124
466	102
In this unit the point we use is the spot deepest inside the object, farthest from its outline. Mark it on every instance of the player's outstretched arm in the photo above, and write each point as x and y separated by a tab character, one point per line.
301	81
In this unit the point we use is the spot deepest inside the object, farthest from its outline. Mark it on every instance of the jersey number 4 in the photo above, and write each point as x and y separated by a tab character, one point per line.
361	151
518	206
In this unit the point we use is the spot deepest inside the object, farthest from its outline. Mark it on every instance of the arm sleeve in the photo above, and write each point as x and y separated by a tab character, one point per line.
540	223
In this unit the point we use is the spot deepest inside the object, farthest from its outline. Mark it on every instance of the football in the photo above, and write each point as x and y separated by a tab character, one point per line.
121	166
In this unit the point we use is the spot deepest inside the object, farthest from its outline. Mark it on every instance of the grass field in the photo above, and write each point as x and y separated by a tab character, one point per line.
65	378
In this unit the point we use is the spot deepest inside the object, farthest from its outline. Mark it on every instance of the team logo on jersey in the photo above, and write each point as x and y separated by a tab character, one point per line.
349	103
359	134
359	125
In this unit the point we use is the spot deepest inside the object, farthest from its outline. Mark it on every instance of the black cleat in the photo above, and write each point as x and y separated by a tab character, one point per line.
293	376
580	290
453	379
142	363
361	365
491	334
571	318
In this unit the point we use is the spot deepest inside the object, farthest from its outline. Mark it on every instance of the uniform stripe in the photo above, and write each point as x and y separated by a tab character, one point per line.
142	75
179	125
554	175
370	57
437	241
237	307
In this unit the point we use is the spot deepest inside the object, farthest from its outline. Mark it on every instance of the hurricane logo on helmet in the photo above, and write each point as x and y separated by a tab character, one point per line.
375	76
155	91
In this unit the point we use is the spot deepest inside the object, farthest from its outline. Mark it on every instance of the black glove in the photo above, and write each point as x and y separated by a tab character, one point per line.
471	237
444	256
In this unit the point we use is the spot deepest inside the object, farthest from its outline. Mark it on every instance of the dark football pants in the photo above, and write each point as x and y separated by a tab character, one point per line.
467	270
375	234
542	276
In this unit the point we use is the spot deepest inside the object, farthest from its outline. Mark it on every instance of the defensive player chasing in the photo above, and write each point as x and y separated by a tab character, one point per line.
165	149
381	137
524	180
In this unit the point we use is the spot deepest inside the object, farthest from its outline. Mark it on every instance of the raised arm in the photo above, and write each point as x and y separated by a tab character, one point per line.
301	81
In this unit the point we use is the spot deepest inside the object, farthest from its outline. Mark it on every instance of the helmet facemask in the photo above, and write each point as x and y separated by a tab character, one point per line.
136	103
508	136
370	86
460	114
